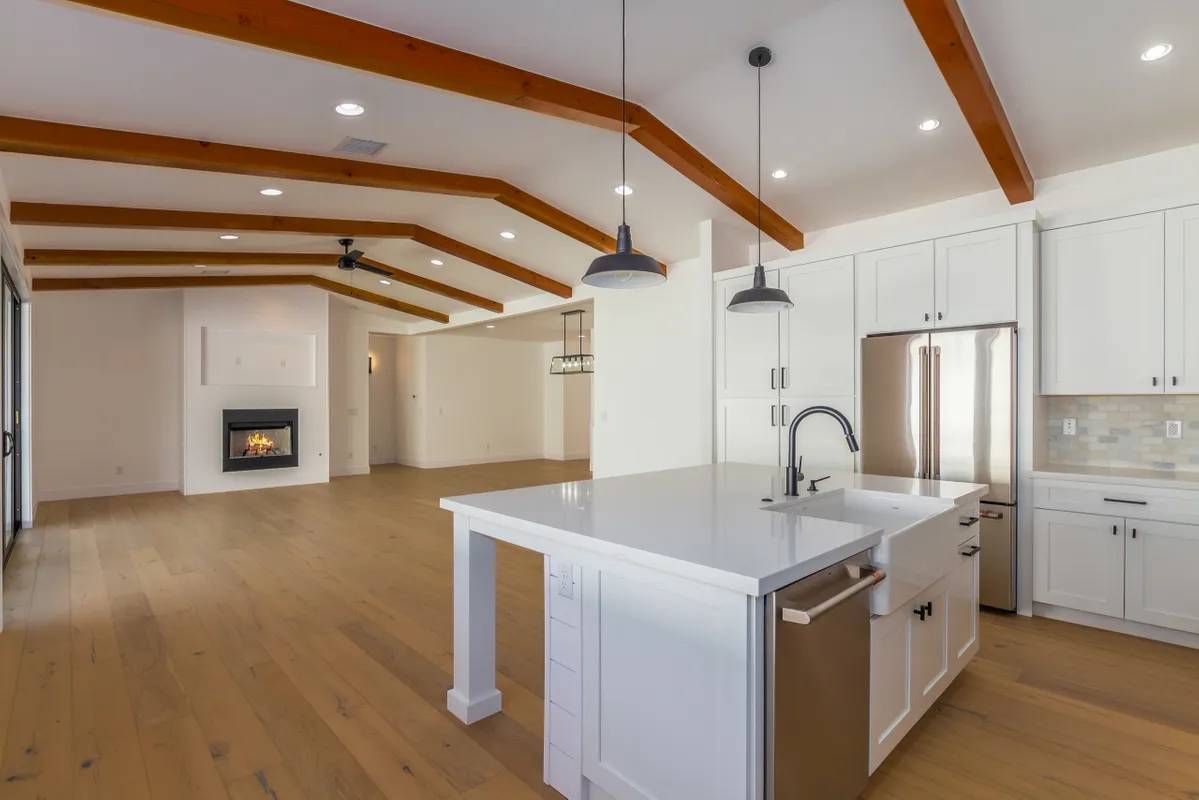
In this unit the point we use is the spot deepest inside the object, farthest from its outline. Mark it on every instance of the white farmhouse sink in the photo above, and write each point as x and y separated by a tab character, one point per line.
920	536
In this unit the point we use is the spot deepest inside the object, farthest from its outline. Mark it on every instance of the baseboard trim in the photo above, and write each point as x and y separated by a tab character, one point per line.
1116	625
466	462
355	470
111	490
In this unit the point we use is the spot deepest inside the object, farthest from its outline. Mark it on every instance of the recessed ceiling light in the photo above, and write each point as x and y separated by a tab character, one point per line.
490	326
270	192
385	282
201	266
508	234
348	109
779	174
437	262
930	125
229	237
624	189
1157	51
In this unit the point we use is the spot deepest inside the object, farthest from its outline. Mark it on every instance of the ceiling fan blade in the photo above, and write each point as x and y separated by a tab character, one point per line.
354	255
370	268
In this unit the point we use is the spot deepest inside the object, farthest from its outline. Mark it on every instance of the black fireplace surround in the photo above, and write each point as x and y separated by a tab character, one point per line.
260	438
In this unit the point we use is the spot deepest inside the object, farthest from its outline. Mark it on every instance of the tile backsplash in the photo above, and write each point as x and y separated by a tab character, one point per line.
1124	431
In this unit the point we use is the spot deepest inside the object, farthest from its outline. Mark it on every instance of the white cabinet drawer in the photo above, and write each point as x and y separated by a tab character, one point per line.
1167	505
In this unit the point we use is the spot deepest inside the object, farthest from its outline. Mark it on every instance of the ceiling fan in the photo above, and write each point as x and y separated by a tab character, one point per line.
350	260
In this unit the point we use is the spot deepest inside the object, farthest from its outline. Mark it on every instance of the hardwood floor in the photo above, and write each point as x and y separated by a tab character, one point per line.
296	643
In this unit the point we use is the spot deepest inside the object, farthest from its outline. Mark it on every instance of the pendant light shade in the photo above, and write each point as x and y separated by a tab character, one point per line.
626	268
760	298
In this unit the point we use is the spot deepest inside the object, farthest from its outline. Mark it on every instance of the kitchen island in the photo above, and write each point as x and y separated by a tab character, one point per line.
657	587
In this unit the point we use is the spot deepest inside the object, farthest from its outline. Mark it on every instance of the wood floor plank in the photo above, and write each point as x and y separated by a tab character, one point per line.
296	644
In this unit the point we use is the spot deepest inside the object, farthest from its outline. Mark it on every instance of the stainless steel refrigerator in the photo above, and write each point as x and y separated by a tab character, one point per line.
942	405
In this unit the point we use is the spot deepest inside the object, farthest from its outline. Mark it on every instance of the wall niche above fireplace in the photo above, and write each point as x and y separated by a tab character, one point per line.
261	438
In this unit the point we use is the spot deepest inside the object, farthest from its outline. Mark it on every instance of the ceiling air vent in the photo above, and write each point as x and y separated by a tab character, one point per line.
359	147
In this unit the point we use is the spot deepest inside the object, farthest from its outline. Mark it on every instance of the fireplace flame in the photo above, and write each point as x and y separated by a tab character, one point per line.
259	444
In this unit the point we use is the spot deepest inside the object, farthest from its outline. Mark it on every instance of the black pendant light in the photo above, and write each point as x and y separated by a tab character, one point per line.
760	298
576	363
626	268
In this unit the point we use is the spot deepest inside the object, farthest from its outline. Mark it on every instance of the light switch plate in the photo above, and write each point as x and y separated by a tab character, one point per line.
1173	429
1069	426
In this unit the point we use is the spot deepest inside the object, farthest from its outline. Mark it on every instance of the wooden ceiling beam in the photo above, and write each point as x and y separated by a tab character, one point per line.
59	140
162	258
204	281
952	46
295	28
80	216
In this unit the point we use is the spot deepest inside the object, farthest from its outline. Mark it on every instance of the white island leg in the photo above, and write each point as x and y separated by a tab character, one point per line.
474	695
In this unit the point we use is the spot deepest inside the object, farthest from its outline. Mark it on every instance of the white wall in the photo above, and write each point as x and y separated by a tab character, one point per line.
468	400
652	395
382	399
296	309
566	410
411	355
349	416
106	372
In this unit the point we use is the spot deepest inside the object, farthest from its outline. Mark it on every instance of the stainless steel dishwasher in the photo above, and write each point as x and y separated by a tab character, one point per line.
818	684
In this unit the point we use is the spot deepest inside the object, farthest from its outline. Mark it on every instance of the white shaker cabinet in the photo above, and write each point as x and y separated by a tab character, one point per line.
1182	300
976	278
1103	308
816	335
747	345
963	604
895	288
1078	561
1160	584
748	430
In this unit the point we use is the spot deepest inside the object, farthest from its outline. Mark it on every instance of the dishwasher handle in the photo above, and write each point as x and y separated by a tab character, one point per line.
805	616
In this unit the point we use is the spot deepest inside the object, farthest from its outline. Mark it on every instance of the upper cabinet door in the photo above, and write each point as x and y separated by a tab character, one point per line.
817	334
1182	300
1102	307
976	278
895	288
747	345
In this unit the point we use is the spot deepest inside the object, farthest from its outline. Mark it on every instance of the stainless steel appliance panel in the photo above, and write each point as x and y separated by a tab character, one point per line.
997	564
972	412
894	426
818	684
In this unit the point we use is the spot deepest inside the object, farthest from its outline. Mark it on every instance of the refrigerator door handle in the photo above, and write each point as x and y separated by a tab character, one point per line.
922	462
934	414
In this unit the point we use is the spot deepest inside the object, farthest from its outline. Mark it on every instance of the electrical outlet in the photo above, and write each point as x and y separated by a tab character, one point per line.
1069	426
566	581
1173	429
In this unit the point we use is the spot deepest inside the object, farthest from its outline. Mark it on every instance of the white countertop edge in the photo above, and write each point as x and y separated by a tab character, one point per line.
537	537
1116	478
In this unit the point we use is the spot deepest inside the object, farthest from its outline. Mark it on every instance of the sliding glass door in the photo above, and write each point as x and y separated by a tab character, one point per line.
10	408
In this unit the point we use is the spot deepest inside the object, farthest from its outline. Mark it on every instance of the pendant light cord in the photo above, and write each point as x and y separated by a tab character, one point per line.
623	118
759	164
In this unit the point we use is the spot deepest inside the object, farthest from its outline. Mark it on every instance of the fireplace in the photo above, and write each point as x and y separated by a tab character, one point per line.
265	438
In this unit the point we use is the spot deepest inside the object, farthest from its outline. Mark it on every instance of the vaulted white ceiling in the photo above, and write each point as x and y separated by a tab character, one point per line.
850	81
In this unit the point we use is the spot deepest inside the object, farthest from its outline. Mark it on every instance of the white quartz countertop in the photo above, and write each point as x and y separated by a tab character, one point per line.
1126	476
706	523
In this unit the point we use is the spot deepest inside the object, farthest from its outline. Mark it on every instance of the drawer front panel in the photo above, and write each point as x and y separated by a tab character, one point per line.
1167	505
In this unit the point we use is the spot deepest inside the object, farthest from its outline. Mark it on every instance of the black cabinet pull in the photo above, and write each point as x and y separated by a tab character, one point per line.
1126	502
940	316
920	612
1155	380
929	607
1114	531
968	521
971	551
1134	533
772	377
926	317
1174	381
